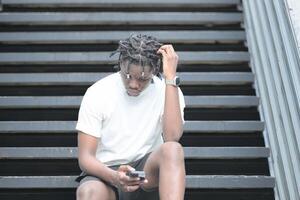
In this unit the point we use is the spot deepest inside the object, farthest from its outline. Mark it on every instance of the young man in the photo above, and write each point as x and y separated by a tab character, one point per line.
133	120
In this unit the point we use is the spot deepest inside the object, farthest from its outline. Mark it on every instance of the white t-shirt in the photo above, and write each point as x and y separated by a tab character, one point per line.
127	127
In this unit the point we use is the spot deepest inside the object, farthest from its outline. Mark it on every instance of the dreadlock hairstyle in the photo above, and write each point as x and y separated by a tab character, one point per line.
141	50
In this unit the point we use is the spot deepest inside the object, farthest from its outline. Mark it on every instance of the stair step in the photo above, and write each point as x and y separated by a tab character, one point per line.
192	181
79	90
117	3
190	152
86	68
220	101
15	102
117	27
104	57
187	78
190	194
37	126
226	152
223	126
188	37
189	126
195	139
229	182
39	48
116	18
70	114
69	167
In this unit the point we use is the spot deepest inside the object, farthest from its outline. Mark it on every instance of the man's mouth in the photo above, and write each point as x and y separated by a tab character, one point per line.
131	92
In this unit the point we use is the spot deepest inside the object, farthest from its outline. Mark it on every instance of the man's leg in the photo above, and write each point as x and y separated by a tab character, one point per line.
95	190
165	168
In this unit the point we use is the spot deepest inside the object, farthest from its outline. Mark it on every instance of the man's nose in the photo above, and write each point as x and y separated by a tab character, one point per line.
133	84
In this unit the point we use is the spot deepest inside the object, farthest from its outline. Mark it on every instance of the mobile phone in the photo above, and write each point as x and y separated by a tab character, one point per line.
135	174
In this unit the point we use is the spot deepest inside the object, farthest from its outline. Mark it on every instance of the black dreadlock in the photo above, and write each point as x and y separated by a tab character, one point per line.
140	49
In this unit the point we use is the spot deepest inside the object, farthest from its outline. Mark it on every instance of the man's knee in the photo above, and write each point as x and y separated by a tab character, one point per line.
172	151
94	190
86	191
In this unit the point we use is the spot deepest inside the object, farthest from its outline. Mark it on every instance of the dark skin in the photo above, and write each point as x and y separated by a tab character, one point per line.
164	166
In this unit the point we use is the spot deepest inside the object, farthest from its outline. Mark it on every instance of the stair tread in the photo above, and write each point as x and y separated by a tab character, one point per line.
223	126
109	18
187	78
83	3
16	102
229	181
115	36
69	126
104	57
220	101
192	181
190	152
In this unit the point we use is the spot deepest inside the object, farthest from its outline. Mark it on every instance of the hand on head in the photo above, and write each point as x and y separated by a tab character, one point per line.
170	60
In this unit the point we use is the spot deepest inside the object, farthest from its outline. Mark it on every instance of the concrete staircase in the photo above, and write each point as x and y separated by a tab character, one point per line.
51	51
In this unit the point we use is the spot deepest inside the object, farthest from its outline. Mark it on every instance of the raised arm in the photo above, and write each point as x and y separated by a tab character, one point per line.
172	119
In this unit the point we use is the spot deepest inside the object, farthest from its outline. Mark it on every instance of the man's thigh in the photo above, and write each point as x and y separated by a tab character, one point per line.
151	169
155	161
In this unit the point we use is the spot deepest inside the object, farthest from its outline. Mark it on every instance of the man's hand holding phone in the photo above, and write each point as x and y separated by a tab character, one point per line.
137	174
128	179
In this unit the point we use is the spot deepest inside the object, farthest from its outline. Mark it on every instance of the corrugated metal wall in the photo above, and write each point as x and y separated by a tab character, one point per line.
294	13
276	64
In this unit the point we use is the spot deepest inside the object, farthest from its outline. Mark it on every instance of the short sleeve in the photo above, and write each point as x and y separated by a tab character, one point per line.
90	117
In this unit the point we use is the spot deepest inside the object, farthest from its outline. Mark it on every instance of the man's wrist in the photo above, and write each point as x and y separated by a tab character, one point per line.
170	77
173	82
115	179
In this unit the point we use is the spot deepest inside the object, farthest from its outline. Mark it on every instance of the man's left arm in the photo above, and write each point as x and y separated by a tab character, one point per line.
172	119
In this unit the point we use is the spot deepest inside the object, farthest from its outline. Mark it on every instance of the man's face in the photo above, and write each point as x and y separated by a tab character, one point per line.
136	79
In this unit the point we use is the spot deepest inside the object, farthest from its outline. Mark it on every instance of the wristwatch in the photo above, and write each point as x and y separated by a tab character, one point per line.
175	82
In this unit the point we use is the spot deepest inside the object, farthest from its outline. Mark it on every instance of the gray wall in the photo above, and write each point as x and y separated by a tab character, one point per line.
276	64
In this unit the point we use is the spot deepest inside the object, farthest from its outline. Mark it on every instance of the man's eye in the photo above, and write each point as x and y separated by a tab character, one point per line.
128	76
144	79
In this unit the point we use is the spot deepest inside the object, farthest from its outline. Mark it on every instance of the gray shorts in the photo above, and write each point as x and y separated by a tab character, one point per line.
136	195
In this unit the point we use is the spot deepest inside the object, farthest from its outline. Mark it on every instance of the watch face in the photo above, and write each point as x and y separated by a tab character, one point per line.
177	81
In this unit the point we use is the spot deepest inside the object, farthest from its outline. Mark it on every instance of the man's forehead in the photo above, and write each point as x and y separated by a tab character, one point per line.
134	68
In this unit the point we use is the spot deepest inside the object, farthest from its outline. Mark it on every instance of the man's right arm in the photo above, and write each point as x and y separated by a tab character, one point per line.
87	146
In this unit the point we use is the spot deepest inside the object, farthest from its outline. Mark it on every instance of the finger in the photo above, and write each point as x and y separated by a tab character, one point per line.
145	181
160	50
165	46
131	188
168	48
126	168
129	180
133	183
163	52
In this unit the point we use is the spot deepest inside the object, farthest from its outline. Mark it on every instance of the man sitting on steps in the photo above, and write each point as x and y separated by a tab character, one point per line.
133	120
